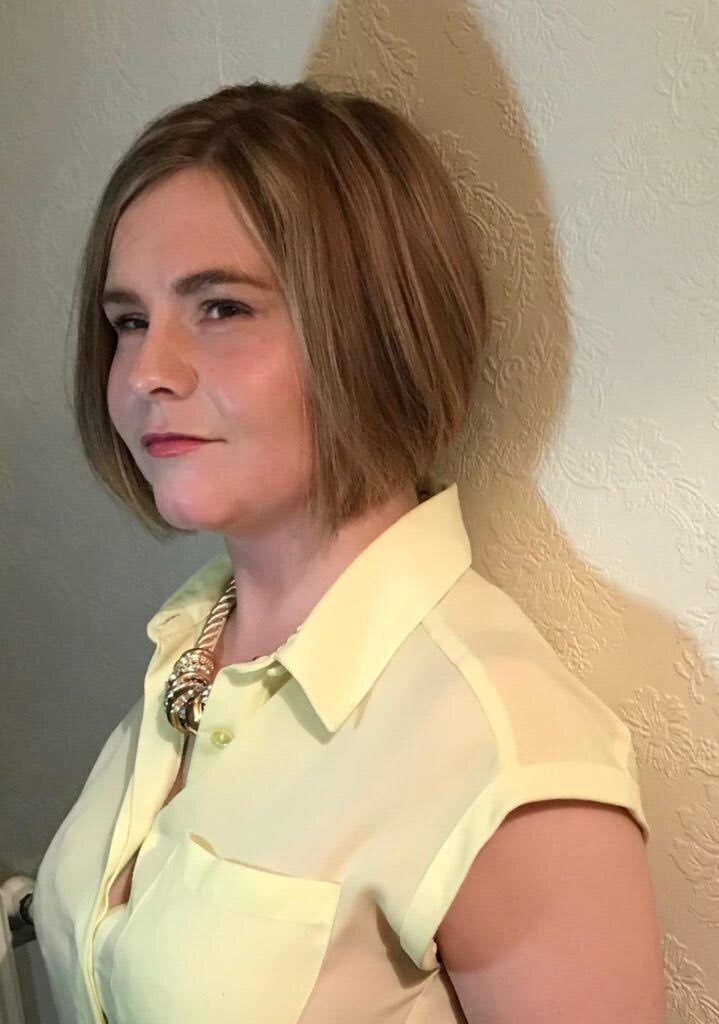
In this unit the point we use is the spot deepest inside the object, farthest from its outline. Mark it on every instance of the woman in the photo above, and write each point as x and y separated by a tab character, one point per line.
359	785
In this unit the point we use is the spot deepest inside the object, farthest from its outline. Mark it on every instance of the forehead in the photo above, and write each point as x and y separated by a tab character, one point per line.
185	220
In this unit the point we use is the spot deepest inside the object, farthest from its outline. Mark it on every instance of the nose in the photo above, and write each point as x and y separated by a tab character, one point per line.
163	360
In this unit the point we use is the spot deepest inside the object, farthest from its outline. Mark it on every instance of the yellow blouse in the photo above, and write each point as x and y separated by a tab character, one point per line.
338	792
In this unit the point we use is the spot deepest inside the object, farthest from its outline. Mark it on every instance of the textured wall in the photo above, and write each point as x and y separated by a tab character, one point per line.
584	139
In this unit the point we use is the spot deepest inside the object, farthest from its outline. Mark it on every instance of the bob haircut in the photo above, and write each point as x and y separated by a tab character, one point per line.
355	214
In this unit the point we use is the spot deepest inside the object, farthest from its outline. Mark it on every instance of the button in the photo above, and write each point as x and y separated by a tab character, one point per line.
221	737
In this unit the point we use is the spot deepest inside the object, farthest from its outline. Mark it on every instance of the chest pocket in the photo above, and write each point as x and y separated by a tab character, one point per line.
216	940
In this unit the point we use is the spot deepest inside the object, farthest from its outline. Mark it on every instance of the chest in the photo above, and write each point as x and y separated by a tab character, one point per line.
119	892
120	889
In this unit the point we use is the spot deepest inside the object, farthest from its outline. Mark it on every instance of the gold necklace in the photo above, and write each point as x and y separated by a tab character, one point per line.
190	682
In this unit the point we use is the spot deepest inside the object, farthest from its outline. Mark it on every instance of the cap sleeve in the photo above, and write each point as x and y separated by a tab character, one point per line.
555	739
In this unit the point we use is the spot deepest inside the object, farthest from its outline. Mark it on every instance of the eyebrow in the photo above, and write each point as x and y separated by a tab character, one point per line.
191	283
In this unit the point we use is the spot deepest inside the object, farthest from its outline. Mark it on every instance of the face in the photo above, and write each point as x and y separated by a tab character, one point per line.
216	360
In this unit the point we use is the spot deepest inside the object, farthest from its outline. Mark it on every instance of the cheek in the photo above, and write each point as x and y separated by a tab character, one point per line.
114	398
255	394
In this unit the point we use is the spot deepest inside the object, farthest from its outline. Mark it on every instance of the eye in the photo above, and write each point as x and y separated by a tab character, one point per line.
121	323
225	307
229	307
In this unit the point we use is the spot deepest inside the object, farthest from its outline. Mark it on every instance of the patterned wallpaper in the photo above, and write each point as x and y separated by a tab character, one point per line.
584	140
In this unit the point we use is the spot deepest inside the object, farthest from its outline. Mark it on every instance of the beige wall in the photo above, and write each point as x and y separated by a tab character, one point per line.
584	138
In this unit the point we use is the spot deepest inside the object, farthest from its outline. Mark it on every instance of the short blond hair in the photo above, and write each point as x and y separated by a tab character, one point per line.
354	212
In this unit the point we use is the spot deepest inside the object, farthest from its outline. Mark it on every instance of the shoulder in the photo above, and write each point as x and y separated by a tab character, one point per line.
510	726
538	710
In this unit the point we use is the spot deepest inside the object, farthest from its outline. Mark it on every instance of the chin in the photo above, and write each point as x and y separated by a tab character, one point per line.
184	515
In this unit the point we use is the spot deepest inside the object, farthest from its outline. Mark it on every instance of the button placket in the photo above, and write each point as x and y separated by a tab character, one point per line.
221	710
219	721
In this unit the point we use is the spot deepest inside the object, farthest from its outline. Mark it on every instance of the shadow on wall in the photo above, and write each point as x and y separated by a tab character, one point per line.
434	63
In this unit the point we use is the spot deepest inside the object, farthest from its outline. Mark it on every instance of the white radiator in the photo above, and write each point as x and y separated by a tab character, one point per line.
12	892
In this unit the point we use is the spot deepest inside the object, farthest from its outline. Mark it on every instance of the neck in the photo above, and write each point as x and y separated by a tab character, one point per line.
281	578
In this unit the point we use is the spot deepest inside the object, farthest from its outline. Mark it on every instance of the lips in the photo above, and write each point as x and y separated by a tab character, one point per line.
171	447
148	439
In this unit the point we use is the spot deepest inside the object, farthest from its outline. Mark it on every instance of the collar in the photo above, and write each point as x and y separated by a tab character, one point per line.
358	624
